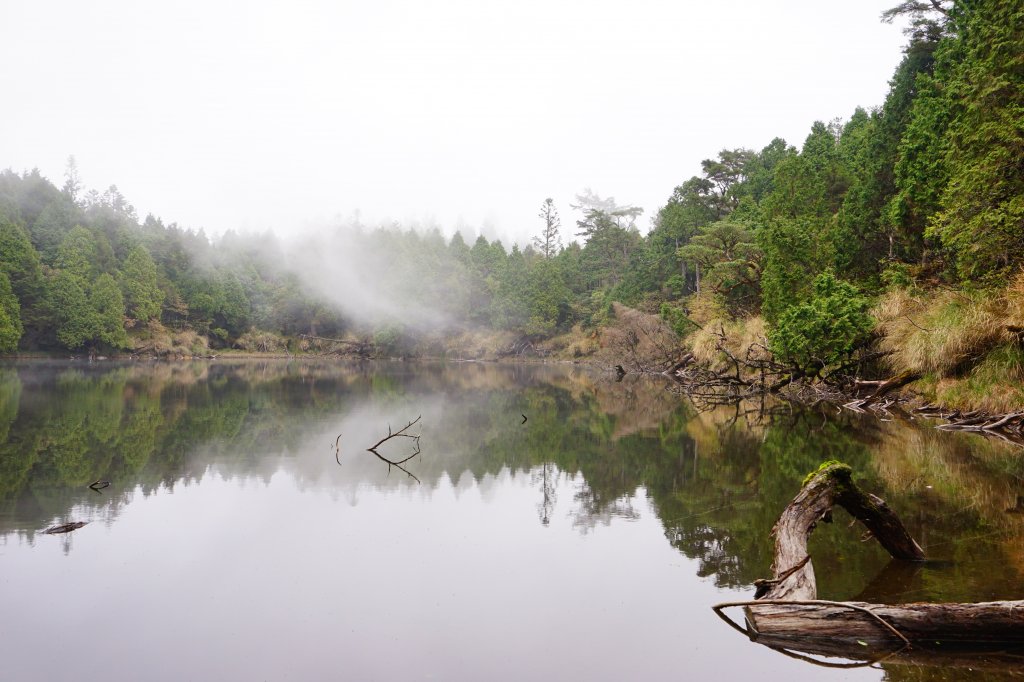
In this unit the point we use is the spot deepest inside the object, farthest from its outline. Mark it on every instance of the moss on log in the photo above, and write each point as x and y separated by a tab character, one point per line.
786	614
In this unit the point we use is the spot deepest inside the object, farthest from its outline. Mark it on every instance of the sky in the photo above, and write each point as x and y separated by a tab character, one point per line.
464	114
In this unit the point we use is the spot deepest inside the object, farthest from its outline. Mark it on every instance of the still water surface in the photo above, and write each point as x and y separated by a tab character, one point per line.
587	543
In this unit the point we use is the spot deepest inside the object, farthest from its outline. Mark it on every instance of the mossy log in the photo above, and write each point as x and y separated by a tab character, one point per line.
786	614
832	484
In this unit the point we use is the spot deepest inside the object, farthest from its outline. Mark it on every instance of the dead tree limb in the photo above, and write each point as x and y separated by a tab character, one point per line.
881	388
401	433
830	485
396	463
789	617
65	527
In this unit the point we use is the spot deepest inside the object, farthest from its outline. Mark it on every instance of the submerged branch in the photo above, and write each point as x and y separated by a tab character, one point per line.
396	463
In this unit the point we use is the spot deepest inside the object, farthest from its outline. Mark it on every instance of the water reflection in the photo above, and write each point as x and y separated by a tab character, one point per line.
598	454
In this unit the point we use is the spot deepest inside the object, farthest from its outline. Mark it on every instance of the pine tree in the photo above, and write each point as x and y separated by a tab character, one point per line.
140	284
549	242
10	317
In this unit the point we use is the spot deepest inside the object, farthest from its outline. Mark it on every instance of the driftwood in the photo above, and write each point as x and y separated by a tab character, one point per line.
396	463
830	485
1008	426
786	615
877	389
672	372
65	527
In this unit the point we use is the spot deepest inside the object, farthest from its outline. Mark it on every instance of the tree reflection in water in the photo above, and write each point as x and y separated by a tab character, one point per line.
717	479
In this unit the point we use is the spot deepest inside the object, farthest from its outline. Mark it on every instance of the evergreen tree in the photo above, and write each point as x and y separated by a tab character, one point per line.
981	217
21	264
79	256
69	307
549	242
790	263
10	317
140	285
108	312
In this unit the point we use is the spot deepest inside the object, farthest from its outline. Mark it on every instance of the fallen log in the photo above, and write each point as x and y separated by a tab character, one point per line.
785	613
686	360
832	484
881	388
65	527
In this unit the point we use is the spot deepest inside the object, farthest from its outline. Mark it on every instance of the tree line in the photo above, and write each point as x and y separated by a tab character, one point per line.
925	190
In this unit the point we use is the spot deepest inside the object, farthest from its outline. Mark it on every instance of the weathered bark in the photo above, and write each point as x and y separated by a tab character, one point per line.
686	360
65	527
786	615
830	485
881	388
953	625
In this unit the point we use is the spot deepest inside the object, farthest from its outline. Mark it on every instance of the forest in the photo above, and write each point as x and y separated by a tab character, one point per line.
900	228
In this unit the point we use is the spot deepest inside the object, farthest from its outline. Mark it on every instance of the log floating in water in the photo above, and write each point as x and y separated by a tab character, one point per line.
65	527
848	623
786	615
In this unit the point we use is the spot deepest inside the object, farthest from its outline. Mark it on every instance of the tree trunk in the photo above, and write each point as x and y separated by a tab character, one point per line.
786	615
830	485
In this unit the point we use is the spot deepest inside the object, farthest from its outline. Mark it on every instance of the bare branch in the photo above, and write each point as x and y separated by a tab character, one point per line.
397	463
401	433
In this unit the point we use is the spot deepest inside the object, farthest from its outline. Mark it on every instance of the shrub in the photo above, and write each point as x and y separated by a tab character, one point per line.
824	329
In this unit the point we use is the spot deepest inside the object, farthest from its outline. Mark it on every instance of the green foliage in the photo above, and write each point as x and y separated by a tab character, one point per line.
69	308
20	262
790	264
140	285
981	216
51	226
548	299
824	329
391	341
897	276
233	312
10	317
935	171
677	319
84	255
108	312
810	185
728	257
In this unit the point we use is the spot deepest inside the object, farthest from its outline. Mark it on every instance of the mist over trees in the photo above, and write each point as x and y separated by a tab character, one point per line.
926	188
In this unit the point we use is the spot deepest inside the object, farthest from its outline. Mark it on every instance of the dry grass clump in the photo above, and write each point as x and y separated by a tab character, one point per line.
574	344
188	342
476	345
744	338
1013	300
157	340
995	384
968	345
256	341
945	334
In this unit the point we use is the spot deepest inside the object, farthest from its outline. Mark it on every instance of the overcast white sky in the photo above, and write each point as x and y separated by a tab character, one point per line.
253	115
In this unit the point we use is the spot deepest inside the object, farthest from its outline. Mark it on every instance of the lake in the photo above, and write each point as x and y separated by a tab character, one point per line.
248	534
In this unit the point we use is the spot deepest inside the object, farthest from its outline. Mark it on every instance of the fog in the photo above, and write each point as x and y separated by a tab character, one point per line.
368	283
454	113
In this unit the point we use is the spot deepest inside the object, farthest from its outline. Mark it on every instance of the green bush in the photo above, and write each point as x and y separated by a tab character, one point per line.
824	329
